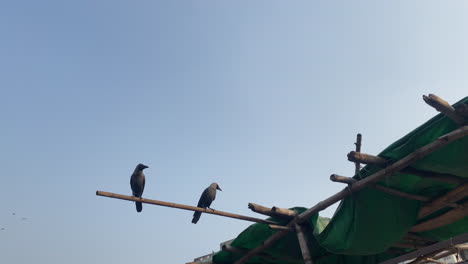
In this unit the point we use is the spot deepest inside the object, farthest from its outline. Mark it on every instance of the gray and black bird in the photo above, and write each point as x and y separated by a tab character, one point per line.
207	197
137	182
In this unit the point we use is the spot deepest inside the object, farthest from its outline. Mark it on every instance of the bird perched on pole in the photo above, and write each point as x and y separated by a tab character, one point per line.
207	197
137	182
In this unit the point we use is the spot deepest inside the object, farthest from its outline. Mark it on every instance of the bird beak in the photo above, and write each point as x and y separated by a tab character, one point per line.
145	167
218	188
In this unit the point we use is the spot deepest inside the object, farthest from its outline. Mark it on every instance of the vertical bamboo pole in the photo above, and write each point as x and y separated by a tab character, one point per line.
303	244
358	149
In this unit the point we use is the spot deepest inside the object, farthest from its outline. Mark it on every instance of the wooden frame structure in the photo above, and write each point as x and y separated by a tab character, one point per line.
411	240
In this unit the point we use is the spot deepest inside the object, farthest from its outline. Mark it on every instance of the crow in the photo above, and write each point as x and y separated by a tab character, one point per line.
137	182
207	197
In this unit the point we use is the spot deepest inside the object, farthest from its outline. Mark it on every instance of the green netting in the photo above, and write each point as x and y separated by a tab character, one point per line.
368	222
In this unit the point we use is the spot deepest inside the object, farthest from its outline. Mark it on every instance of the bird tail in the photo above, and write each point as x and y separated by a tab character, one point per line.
139	206
196	216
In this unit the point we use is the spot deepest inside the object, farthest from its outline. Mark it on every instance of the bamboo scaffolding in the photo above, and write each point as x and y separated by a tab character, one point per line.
184	207
439	203
303	244
388	171
358	149
442	106
445	219
429	249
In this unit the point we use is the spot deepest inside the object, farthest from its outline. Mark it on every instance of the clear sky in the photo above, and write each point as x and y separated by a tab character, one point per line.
263	97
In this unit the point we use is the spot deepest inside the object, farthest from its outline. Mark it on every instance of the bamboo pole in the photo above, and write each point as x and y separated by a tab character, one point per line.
407	245
303	244
435	261
364	158
442	220
184	207
342	179
442	177
388	171
418	237
274	211
374	160
429	249
265	244
283	211
442	106
439	203
349	180
280	228
358	149
435	255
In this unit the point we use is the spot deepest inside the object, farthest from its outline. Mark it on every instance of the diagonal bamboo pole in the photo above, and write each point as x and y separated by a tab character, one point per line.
429	249
451	197
184	207
442	106
388	171
442	220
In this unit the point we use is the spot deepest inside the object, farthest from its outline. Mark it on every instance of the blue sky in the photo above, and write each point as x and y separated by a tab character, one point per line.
263	97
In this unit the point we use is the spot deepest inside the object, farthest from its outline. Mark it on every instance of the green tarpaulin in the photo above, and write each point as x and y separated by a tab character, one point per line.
368	222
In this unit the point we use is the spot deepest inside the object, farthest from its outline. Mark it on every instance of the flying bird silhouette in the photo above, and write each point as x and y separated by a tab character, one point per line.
207	197
137	183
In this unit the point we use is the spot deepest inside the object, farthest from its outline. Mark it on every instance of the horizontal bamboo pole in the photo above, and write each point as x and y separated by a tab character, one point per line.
442	106
184	207
407	245
342	179
418	237
435	261
349	180
429	249
451	197
275	211
280	228
442	220
360	157
442	177
388	171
